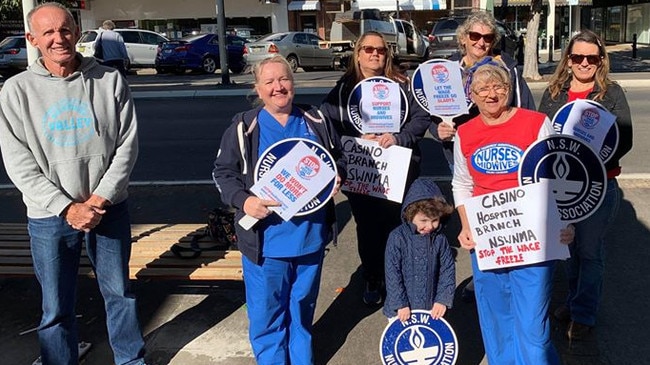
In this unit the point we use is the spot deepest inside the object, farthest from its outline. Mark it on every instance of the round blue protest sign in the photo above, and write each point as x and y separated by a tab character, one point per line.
356	99
576	175
275	152
588	121
440	73
421	340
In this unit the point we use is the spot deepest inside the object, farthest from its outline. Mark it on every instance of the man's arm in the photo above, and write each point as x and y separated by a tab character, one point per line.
116	177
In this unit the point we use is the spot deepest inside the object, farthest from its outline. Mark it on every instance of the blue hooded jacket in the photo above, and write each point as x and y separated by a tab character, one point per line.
420	268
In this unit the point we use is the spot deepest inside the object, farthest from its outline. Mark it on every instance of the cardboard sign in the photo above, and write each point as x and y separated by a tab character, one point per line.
274	153
515	227
438	88
360	101
419	340
575	173
375	171
294	180
590	122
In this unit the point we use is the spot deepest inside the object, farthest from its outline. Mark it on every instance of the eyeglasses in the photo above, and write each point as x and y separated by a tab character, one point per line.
371	50
475	37
592	59
499	89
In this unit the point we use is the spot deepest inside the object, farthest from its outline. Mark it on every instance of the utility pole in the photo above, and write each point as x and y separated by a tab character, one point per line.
223	49
32	52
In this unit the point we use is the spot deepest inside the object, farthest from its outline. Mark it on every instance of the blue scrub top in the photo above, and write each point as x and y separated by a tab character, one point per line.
300	235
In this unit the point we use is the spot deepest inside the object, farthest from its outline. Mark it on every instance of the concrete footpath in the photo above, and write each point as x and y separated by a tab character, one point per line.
200	323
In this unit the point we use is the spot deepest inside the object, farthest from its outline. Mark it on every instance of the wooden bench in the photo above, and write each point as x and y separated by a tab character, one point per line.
151	257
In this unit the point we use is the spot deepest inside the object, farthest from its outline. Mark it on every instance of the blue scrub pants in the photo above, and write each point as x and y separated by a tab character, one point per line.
513	312
281	299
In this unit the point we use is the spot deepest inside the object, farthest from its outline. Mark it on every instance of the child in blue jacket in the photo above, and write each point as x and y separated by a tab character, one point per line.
419	266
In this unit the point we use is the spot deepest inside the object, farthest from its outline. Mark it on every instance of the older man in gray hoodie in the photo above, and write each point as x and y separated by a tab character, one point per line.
68	136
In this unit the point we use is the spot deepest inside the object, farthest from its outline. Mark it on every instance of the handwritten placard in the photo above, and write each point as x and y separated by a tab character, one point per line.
514	227
294	180
375	171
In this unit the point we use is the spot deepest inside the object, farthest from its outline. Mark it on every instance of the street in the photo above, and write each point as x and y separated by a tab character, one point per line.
179	137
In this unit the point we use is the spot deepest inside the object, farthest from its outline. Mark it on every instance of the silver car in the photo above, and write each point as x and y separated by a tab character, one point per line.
13	55
299	48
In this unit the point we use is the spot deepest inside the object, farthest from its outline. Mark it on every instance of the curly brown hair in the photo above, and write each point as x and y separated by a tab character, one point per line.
432	208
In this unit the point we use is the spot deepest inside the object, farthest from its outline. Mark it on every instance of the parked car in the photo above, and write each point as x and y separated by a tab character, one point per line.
13	55
141	45
443	42
199	53
299	48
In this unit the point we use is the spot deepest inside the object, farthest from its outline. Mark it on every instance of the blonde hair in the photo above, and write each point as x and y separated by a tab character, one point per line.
562	73
482	18
390	70
257	68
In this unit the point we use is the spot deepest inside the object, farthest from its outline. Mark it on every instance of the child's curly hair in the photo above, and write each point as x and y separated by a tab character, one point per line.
432	208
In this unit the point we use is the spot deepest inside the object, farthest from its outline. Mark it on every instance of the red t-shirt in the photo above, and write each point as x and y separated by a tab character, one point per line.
493	152
574	95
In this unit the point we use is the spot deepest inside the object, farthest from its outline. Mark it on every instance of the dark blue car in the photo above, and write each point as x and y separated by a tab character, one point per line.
199	53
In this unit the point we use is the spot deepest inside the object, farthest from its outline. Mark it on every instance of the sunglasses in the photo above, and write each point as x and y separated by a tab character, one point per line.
592	59
371	50
475	37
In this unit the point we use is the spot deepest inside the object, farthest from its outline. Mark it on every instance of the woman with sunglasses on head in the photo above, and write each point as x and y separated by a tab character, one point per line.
375	218
583	74
477	38
512	302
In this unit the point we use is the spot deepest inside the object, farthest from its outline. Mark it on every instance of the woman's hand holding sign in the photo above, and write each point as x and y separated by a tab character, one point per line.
259	208
446	131
385	140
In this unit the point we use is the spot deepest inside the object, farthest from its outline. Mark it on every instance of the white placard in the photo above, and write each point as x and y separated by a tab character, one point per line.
294	180
589	123
375	171
514	227
443	83
380	107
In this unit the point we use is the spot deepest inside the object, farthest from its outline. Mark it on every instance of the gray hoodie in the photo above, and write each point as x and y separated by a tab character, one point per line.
65	138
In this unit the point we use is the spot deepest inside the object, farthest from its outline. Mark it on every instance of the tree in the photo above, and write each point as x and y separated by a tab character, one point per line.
531	71
9	9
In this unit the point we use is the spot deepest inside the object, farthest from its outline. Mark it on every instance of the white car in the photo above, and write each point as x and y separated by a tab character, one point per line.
142	45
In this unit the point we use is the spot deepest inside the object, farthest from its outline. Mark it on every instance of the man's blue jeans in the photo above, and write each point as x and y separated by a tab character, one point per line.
56	250
586	267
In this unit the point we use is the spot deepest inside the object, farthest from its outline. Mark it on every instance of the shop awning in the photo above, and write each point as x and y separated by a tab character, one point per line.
544	2
391	5
304	5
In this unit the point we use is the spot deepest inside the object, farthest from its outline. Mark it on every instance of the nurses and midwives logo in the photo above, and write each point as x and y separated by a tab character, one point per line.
380	91
440	73
356	97
575	173
497	158
306	168
69	122
421	340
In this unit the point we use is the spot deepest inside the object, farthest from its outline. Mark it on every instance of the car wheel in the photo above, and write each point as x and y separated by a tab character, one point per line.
293	62
209	65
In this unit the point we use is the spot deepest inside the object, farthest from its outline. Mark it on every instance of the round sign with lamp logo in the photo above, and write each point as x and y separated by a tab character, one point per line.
421	340
306	167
